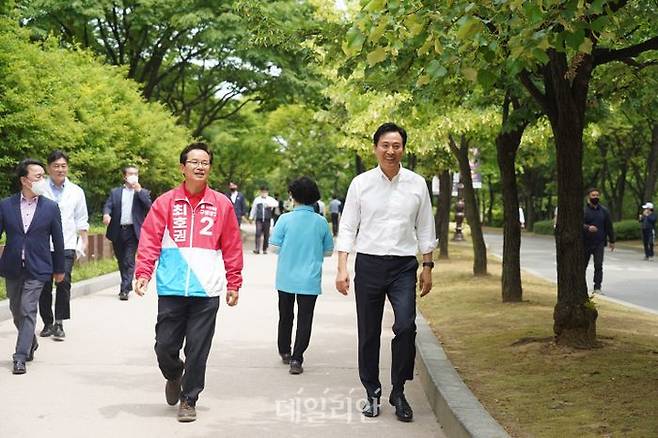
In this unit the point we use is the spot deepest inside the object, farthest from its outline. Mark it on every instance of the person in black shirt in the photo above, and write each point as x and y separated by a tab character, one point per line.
648	225
597	233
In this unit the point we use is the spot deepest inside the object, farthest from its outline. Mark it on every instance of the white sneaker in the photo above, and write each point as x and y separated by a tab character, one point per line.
597	292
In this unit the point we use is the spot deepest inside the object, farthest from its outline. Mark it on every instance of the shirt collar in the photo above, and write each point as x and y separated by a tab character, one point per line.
304	207
54	186
383	175
24	199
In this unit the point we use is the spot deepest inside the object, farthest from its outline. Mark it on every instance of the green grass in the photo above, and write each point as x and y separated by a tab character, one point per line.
81	272
505	353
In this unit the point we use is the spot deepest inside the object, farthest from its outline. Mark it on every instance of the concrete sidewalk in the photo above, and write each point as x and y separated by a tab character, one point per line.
103	380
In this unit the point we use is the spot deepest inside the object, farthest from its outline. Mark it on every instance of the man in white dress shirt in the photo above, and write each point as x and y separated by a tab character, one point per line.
387	219
75	225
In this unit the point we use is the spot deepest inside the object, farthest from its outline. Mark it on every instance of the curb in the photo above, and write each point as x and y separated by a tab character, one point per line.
78	289
458	411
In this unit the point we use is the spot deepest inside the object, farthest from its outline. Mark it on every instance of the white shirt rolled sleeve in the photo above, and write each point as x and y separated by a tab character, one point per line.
387	217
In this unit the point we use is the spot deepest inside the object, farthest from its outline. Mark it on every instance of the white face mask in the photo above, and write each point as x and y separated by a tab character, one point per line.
40	187
132	179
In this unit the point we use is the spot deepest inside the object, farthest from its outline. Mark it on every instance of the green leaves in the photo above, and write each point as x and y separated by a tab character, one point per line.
354	40
376	56
435	69
469	26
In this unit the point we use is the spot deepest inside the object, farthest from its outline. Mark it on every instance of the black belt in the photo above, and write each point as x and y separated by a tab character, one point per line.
126	227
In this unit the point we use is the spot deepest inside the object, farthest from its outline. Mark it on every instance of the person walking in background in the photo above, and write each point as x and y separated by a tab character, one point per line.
261	212
648	226
276	211
334	210
301	239
238	200
75	224
194	236
124	213
30	221
388	219
597	232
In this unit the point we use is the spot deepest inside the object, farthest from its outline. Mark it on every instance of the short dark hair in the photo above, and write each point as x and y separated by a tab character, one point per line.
56	155
592	189
304	190
21	169
192	146
263	187
125	168
389	127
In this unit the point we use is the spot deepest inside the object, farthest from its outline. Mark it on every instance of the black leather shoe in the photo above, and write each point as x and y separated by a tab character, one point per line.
371	408
172	391
285	358
296	367
402	409
58	332
19	367
47	331
35	345
123	296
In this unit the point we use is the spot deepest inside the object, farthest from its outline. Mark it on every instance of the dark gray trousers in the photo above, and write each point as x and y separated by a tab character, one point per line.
23	296
376	278
190	320
62	294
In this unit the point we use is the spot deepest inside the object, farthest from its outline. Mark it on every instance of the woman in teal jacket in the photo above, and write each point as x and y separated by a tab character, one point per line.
301	238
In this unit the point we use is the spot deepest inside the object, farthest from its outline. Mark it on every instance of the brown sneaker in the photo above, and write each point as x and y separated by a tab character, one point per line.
186	412
172	391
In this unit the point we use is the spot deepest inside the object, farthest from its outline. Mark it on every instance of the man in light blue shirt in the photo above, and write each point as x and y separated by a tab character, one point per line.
302	239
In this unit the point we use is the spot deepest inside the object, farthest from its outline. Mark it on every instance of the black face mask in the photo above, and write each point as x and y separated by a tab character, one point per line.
594	201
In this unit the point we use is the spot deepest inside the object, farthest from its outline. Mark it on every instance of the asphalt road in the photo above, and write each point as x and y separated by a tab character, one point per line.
627	278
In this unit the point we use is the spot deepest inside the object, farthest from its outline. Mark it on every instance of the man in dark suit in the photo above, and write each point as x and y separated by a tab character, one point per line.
238	200
124	213
30	221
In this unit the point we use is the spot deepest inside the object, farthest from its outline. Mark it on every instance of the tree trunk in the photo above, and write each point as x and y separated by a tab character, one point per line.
652	167
358	163
442	218
471	206
507	145
574	318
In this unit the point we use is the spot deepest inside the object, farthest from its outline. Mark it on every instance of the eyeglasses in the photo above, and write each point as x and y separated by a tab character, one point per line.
195	163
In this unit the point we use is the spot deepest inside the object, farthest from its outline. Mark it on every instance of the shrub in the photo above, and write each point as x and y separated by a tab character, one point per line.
543	227
627	230
52	97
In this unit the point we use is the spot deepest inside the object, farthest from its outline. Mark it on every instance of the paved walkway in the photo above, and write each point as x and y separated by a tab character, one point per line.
103	381
627	278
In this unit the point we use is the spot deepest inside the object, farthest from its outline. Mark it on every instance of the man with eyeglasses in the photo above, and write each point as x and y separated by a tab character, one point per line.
388	220
124	213
75	224
193	234
30	221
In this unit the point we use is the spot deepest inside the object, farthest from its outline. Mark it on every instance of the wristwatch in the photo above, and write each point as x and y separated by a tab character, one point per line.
428	265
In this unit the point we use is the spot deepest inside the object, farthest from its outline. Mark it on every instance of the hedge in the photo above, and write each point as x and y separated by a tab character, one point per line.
624	230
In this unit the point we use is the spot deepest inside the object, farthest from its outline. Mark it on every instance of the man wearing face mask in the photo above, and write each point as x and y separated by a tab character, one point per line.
597	233
29	221
124	213
238	200
72	203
